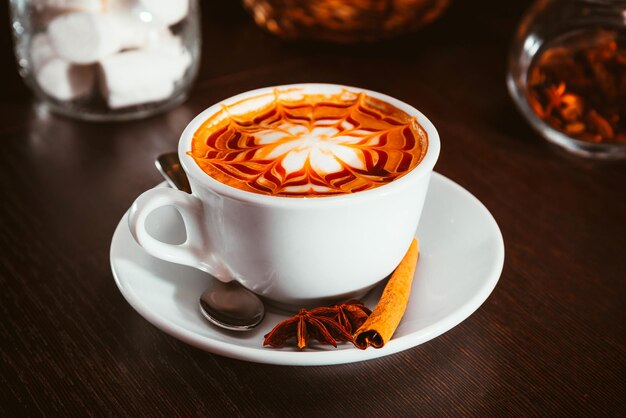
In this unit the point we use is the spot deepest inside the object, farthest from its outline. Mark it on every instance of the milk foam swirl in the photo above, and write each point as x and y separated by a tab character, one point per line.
309	145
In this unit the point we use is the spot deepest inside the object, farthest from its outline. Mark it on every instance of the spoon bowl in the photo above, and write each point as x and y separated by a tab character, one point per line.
228	306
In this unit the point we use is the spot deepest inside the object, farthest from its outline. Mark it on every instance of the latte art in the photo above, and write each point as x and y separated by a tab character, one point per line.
297	145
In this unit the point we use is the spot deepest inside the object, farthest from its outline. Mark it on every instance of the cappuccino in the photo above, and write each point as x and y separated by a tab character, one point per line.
293	144
306	194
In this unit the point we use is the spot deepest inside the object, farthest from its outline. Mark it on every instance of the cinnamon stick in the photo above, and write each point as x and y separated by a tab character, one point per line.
385	318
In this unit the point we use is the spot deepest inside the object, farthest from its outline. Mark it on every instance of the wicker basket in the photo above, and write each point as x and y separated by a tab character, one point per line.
343	20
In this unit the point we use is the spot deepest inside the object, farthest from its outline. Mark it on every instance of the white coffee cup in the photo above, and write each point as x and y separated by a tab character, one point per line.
292	251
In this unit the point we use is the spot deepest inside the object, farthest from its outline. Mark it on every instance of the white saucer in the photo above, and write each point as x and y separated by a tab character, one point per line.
461	258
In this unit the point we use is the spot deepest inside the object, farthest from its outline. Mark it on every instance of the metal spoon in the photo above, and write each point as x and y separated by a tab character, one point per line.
227	305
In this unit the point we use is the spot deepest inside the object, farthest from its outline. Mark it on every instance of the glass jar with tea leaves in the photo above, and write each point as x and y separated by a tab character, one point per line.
107	59
567	74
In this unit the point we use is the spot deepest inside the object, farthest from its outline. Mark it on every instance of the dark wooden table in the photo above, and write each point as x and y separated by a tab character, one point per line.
550	340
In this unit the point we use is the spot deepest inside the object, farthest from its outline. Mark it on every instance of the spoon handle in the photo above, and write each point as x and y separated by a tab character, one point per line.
170	167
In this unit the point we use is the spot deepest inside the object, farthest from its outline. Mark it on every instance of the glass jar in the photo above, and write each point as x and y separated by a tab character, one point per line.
343	20
107	59
567	74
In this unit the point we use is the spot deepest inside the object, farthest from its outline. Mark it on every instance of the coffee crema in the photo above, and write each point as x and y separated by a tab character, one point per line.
293	144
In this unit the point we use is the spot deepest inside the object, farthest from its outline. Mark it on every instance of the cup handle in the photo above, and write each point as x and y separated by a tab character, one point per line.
194	251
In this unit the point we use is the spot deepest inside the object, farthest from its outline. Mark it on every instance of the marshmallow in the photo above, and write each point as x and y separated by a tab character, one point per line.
135	77
70	5
55	76
83	38
168	12
64	81
125	6
133	33
40	51
177	57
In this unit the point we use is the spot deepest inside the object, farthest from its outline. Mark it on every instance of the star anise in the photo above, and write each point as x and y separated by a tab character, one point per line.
350	315
328	325
303	326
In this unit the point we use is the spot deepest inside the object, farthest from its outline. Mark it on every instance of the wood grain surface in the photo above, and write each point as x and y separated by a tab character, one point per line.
550	340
